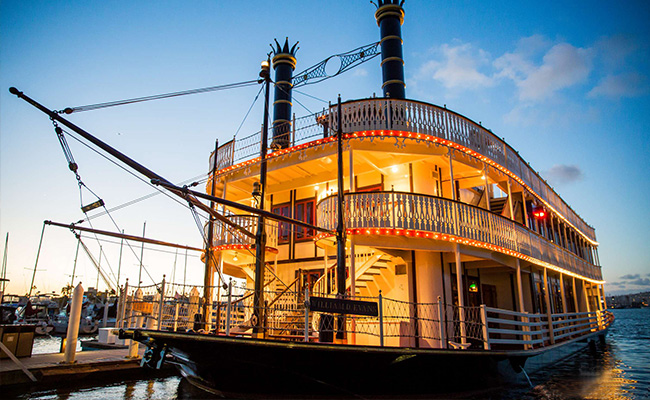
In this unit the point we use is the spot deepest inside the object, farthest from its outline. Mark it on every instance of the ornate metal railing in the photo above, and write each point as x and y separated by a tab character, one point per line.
287	315
413	212
417	117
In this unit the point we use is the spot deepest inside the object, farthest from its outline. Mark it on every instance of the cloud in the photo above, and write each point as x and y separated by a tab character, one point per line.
640	282
631	276
561	174
629	84
459	68
562	66
619	56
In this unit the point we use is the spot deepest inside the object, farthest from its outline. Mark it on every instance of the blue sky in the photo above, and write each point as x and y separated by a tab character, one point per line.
565	83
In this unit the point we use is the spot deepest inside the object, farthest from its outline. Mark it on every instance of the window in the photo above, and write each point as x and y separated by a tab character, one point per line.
304	211
285	227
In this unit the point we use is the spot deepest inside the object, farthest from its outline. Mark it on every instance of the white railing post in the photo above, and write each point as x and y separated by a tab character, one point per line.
441	325
307	313
176	306
392	195
161	304
486	333
381	321
228	308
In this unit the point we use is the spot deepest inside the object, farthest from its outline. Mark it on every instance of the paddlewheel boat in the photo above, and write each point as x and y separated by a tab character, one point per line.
393	247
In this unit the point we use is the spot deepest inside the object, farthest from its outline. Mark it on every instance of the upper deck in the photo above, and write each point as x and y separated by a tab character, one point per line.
408	120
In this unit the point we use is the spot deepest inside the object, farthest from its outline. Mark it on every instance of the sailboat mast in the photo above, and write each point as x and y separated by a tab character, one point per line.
38	254
74	267
209	262
4	267
144	227
119	265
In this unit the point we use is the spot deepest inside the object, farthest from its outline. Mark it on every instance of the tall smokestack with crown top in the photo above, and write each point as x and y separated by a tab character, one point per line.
284	63
390	16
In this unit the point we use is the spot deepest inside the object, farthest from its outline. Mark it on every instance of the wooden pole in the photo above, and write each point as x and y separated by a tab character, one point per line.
208	277
260	236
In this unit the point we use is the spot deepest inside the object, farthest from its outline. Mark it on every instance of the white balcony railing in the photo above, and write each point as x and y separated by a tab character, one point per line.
407	211
416	117
226	235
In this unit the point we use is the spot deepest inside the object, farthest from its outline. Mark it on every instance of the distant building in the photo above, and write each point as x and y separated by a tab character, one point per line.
629	300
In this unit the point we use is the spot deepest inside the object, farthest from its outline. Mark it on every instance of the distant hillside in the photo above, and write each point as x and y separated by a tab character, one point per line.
629	300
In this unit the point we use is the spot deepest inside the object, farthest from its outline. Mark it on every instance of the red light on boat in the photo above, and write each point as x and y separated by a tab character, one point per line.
539	212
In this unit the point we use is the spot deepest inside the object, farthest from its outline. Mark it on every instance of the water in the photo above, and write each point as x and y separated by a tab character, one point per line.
621	369
52	344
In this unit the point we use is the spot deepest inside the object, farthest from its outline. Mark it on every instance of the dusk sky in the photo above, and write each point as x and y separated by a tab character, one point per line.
565	83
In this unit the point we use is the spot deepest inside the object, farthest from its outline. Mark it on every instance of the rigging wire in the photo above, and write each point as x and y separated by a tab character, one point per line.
199	179
127	170
73	166
80	183
145	197
311	96
250	108
107	281
287	93
195	214
115	242
70	110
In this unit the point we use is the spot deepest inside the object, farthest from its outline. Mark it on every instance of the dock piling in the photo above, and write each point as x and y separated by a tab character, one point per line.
73	324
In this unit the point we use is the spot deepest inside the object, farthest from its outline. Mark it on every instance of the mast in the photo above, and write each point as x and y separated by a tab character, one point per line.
144	227
209	275
340	226
340	229
38	253
260	236
4	268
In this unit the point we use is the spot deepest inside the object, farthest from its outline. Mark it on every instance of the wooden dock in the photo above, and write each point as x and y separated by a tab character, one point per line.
48	368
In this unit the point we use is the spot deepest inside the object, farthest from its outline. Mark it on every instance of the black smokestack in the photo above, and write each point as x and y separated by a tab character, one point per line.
390	16
284	63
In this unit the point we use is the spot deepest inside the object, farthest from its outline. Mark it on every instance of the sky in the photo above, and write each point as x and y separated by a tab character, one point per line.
565	83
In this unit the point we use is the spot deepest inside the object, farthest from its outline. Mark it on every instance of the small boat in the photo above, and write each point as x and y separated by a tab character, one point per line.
88	324
10	303
37	313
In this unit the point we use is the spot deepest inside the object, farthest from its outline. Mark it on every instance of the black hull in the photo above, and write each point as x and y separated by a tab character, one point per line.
262	368
242	367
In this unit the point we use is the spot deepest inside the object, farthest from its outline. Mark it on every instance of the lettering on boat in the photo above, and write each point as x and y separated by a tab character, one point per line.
341	306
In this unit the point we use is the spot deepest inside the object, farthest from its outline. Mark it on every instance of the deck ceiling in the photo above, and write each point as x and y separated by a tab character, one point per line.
318	165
